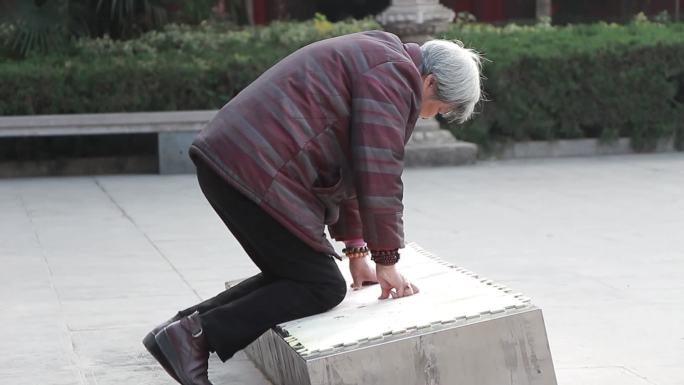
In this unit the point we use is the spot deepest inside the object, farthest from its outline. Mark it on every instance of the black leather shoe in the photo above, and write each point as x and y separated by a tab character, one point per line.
152	347
186	349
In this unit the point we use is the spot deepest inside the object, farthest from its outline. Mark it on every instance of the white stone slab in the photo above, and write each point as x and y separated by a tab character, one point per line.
455	327
447	293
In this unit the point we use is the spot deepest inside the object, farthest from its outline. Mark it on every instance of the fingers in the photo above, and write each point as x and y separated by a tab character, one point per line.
400	291
406	290
385	293
415	289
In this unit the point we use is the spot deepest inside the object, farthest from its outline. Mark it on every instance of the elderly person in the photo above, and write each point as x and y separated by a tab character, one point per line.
316	140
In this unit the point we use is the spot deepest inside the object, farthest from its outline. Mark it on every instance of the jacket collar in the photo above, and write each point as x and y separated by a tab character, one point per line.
413	50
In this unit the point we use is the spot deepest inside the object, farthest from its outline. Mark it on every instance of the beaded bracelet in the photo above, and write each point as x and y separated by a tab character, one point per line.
385	257
355	252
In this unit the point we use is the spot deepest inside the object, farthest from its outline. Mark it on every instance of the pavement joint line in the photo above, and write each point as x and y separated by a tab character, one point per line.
635	373
626	369
590	367
69	345
147	237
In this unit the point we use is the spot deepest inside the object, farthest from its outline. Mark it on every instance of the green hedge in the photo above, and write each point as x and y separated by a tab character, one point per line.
178	68
598	81
601	80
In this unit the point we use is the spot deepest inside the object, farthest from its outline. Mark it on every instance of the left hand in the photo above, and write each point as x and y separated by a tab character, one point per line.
362	273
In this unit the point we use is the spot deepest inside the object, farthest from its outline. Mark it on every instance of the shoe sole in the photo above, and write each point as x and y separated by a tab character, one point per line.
165	346
153	348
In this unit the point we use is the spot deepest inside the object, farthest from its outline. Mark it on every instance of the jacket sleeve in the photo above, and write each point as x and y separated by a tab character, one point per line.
382	101
348	226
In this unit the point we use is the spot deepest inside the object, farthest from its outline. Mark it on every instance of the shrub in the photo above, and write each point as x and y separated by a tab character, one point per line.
545	83
41	26
598	81
179	68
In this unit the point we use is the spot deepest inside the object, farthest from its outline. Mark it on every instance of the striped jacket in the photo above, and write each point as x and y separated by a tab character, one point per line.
319	138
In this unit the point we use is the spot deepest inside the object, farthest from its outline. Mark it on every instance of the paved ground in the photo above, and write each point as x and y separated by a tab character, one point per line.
90	264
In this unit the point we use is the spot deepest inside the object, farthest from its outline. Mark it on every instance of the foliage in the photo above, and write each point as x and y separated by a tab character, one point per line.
194	11
124	18
39	26
601	81
32	26
213	38
177	68
545	83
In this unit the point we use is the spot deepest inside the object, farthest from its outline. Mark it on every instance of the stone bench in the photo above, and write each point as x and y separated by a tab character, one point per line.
461	329
429	146
175	130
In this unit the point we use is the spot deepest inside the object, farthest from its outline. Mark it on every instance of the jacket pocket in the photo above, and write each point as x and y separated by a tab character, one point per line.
331	195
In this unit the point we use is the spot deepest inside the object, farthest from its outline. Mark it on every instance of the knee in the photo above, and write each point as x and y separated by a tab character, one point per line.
340	292
333	294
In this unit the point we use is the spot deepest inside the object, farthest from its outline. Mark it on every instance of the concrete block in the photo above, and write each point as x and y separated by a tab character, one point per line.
431	146
444	154
173	152
460	329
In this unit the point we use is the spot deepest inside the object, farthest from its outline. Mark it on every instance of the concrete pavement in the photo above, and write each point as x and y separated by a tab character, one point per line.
90	264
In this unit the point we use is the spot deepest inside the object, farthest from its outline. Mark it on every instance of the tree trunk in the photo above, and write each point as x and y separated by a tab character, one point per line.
219	8
544	10
249	5
677	5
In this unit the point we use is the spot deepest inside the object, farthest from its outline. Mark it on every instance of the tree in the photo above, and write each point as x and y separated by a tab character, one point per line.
43	25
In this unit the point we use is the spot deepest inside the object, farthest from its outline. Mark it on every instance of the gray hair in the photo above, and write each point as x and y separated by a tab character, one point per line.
457	73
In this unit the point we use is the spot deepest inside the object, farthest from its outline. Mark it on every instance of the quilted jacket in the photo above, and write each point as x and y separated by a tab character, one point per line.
318	139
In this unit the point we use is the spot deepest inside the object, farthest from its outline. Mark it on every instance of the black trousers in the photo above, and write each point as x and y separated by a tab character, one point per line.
295	280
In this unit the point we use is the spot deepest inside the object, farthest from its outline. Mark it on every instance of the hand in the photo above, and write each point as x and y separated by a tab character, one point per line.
394	284
362	273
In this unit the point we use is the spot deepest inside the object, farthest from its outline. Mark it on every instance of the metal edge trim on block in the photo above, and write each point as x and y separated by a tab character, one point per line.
411	332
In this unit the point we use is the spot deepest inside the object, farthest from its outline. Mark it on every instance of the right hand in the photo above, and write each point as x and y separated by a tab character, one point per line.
362	273
392	283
